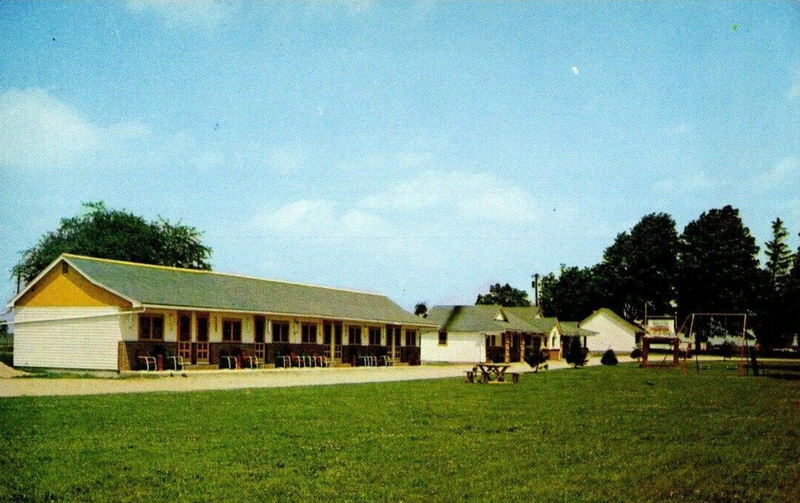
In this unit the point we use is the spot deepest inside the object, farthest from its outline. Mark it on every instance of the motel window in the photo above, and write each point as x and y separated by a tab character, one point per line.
443	338
354	335
232	330
151	327
374	336
280	331
309	331
492	340
411	337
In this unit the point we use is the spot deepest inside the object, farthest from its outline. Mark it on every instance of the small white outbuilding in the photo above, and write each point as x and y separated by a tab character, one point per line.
612	332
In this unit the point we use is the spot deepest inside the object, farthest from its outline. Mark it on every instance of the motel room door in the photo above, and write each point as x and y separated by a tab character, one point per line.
333	329
185	337
201	337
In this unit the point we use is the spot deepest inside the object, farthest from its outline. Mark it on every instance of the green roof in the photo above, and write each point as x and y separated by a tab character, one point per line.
573	329
489	318
168	286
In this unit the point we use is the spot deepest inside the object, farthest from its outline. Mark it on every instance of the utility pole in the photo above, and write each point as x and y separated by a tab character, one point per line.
535	285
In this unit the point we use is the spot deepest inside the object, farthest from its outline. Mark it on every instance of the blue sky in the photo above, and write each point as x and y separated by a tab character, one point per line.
424	150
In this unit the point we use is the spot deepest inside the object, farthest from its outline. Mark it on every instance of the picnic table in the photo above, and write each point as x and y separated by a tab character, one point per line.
493	372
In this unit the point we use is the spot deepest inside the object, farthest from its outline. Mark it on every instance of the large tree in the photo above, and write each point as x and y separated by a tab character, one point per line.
105	233
640	268
718	264
572	295
504	295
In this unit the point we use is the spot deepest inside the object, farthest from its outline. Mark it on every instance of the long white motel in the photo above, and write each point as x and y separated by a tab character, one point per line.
89	313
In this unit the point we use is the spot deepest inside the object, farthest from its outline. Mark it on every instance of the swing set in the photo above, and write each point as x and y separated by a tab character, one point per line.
659	330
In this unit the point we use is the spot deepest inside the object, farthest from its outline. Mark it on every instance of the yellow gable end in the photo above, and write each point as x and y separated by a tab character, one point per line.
68	289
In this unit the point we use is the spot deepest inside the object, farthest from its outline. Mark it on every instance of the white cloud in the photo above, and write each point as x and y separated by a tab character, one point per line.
39	132
575	70
785	174
286	160
469	195
193	13
319	219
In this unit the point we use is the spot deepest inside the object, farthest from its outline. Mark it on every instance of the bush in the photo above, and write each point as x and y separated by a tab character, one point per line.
609	358
576	354
727	350
636	354
535	358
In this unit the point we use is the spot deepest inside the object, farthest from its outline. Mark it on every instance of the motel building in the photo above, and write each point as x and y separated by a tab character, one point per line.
98	314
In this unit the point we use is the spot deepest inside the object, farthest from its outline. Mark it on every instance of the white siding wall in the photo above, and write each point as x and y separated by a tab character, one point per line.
461	347
609	335
89	343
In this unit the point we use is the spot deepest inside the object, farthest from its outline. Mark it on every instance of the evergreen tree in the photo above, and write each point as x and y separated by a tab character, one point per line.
775	323
779	256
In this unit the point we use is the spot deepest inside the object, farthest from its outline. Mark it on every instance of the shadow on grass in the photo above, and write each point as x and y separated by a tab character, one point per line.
785	376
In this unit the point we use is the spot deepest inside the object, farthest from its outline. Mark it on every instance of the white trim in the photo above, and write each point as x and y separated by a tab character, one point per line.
12	302
68	318
33	282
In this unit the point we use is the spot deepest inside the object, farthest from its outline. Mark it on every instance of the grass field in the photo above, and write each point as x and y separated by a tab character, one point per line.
594	434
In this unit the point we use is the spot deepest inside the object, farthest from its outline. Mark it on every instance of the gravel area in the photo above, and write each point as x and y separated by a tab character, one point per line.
238	379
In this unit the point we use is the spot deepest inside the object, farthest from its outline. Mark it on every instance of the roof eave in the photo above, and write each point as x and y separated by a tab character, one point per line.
278	313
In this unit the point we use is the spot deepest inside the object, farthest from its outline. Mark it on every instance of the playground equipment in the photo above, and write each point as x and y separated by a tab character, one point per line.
720	330
674	342
659	331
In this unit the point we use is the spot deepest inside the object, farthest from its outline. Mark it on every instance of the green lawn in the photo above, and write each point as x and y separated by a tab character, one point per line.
591	434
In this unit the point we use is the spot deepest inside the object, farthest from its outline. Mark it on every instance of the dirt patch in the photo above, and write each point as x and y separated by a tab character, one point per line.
7	372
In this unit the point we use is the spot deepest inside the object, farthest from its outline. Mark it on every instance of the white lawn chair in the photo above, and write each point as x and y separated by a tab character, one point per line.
177	361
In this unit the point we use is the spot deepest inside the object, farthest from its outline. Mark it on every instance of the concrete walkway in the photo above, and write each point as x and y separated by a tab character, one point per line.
238	379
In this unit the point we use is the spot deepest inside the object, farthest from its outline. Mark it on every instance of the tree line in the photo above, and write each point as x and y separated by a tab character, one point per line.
712	266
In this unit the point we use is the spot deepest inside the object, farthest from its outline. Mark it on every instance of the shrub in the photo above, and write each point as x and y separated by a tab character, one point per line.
609	358
535	358
727	349
636	354
576	354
